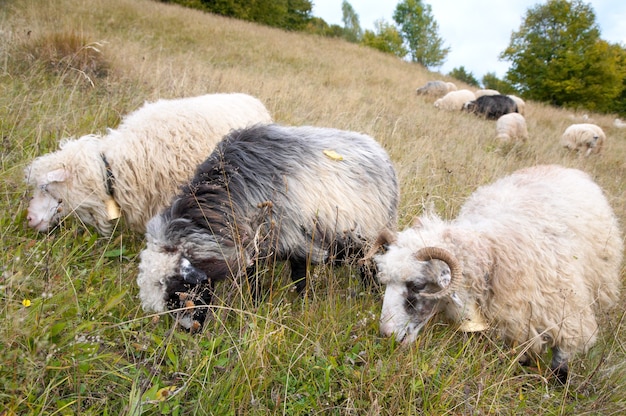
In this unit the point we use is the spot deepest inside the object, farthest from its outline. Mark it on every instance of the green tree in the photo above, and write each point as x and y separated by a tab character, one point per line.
352	27
285	14
491	81
558	57
386	38
420	32
461	74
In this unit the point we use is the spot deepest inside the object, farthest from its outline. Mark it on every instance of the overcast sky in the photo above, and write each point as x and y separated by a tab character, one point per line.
476	31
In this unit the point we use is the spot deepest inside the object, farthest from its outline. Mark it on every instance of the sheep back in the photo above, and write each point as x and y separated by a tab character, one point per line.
491	107
511	127
454	100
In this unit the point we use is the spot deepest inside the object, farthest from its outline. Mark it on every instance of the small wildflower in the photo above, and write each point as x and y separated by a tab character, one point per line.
26	303
164	393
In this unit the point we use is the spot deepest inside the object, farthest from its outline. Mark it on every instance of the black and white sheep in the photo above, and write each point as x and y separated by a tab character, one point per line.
135	169
491	107
302	194
536	254
586	138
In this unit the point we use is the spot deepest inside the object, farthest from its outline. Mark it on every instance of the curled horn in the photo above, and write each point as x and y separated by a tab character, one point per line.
386	236
456	273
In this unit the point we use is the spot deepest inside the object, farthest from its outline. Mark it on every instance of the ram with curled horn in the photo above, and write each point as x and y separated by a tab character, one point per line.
535	256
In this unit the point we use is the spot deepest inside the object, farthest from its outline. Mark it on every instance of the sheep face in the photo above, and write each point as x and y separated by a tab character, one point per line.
177	274
46	205
406	304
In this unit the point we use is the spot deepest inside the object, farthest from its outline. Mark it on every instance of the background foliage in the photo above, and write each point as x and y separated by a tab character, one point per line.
557	56
73	338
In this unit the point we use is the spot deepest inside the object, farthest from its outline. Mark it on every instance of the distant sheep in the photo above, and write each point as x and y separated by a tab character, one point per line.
536	255
436	88
454	100
480	93
585	138
303	194
491	107
134	170
521	104
619	123
511	127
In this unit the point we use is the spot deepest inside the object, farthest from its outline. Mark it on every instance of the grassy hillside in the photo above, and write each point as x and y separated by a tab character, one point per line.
73	338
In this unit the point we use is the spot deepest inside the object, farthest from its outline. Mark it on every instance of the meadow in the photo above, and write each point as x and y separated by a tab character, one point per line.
73	337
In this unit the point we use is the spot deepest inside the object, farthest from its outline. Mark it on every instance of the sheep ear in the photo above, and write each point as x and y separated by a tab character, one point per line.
58	175
192	274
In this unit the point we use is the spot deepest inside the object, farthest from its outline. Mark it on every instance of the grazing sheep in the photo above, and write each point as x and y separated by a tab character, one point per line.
134	170
583	137
511	127
619	123
491	107
302	194
454	100
436	88
536	255
480	93
521	104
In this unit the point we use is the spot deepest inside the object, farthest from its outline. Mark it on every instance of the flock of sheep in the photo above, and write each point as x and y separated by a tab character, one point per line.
219	188
508	110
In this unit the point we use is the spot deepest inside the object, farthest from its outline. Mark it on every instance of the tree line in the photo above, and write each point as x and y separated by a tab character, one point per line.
557	55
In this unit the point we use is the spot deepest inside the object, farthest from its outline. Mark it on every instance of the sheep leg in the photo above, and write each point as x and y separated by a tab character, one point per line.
298	273
559	364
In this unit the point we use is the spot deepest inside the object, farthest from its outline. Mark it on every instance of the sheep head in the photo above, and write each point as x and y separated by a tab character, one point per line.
177	271
421	282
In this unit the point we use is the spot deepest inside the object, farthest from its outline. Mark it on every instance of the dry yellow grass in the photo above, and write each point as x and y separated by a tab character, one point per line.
338	364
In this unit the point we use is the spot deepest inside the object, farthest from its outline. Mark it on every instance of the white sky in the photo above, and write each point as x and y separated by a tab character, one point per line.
476	31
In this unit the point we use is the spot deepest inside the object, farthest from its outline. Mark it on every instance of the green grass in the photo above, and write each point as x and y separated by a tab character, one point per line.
84	346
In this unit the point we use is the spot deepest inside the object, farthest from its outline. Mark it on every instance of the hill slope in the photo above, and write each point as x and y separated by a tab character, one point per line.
84	345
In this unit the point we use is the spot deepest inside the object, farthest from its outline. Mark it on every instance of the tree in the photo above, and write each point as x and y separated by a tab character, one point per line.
386	39
351	25
491	81
420	32
558	57
462	75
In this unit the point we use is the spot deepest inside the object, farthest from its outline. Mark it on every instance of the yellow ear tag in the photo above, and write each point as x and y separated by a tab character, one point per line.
332	154
473	321
113	210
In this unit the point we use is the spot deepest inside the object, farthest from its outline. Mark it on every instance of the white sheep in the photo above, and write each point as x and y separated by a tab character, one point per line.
586	138
134	170
619	123
511	127
436	88
480	93
521	104
536	255
454	100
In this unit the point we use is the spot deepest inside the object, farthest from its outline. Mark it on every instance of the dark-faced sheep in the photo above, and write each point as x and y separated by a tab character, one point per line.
135	169
302	194
492	107
536	255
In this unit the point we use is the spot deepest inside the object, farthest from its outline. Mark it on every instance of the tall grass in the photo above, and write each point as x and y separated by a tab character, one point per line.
73	339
